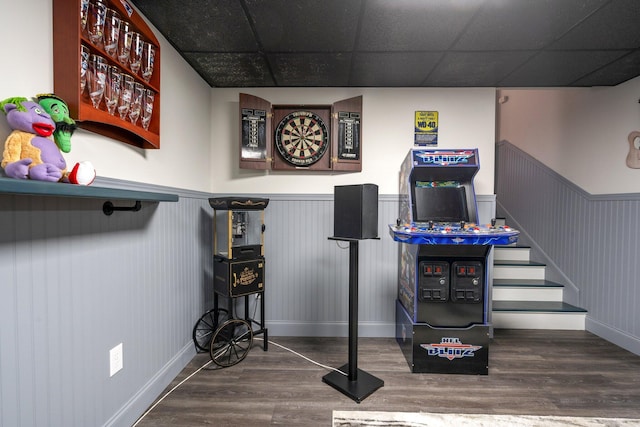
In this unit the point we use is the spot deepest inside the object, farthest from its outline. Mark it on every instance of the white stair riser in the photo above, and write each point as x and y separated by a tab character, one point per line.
525	319
534	320
504	293
518	272
511	254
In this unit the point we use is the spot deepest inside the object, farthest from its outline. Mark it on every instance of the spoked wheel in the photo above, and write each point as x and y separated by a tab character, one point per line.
207	325
231	342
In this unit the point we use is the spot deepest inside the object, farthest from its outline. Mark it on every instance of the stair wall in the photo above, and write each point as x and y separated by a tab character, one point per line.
589	242
522	298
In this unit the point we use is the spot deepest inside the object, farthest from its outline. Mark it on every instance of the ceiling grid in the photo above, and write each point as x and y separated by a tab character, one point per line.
403	43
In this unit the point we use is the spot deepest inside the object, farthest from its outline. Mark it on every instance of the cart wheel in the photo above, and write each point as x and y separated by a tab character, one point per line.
231	342
206	326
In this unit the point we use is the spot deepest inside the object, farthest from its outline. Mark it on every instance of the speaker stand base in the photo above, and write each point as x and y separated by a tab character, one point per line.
357	389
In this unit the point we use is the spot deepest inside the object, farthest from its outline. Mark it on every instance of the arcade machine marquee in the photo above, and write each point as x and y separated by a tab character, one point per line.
442	323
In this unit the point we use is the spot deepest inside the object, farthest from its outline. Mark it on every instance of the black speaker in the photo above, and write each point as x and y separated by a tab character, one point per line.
355	211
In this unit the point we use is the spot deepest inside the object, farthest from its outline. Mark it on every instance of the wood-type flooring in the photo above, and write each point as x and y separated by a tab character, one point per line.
536	372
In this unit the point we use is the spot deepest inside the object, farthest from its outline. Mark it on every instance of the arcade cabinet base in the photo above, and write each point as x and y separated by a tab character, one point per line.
357	389
430	349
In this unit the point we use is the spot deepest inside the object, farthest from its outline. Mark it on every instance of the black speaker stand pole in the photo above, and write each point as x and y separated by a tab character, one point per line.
357	384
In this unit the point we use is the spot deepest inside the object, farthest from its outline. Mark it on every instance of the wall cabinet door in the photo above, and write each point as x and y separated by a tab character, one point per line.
300	137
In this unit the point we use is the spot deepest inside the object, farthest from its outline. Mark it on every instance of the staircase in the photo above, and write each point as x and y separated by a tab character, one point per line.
524	299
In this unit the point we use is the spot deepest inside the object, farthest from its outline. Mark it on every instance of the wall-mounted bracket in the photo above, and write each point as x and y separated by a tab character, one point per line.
108	208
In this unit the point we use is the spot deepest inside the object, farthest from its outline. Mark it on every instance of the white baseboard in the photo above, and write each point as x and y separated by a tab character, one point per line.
615	336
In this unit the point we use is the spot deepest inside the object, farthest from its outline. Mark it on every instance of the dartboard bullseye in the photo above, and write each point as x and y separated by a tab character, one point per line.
301	138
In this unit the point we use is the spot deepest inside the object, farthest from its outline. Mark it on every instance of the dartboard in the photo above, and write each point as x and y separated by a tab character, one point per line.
301	138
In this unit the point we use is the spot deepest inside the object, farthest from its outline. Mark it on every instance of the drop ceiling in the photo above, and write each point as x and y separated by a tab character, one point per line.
403	43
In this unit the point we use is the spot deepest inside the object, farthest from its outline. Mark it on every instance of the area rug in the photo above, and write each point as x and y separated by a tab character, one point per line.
425	419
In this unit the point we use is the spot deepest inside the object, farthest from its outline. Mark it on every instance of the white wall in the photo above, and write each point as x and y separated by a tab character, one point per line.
183	160
467	120
199	125
581	133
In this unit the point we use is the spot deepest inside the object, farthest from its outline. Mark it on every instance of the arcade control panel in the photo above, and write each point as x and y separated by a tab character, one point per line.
458	233
458	281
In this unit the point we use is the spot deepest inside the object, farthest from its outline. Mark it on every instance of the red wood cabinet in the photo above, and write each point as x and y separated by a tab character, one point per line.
68	39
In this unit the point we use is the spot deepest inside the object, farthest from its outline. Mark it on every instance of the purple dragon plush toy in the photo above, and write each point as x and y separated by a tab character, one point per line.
30	151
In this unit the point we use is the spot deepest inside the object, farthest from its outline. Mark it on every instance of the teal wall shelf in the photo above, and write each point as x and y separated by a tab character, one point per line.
57	189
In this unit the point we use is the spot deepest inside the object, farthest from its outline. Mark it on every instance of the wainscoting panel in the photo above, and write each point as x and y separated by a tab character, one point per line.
307	276
76	283
591	243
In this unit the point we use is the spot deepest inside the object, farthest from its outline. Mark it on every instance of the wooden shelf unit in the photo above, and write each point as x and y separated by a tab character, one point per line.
67	42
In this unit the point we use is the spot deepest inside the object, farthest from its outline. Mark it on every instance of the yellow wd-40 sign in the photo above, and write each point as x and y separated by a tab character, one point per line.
426	128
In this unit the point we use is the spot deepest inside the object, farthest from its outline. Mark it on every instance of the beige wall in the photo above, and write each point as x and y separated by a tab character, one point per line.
467	120
183	161
199	128
581	133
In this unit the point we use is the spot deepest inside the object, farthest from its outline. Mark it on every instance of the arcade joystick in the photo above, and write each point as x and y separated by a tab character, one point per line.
493	222
430	225
462	225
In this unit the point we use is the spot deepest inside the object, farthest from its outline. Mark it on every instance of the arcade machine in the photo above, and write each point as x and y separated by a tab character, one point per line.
442	310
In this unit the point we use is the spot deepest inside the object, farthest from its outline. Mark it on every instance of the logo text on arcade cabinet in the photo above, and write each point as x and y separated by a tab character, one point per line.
445	158
451	348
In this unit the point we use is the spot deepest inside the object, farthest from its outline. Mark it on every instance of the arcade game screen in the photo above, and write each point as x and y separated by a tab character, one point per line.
439	201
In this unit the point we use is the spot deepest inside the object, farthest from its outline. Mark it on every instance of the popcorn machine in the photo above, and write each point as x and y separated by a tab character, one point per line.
238	267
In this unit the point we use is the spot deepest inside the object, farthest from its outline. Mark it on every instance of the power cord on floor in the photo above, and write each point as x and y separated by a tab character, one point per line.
255	309
169	392
304	357
209	362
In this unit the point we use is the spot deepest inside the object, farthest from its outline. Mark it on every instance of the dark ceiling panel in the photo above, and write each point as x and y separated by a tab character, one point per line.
403	43
232	69
197	26
310	69
465	69
523	24
392	69
410	25
616	26
560	68
305	25
613	73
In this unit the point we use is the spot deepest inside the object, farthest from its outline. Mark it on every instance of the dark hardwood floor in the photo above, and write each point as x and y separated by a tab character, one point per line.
568	373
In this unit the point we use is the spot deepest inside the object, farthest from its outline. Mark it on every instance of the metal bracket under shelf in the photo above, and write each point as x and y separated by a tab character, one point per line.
108	208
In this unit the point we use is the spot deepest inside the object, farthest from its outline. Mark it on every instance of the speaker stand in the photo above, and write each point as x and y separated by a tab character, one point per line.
357	384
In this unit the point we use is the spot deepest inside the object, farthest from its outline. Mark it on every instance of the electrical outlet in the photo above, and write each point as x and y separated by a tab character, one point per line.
115	359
